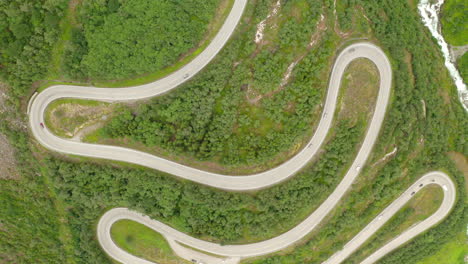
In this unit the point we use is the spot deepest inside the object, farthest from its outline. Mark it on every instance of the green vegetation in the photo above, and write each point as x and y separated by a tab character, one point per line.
28	30
122	39
421	206
462	65
454	22
31	231
190	207
222	12
237	112
141	241
404	128
452	252
209	106
360	86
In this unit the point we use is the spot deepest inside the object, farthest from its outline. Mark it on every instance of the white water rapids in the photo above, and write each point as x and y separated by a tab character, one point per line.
430	16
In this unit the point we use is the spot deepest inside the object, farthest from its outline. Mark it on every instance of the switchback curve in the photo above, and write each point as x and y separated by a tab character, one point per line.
227	182
235	253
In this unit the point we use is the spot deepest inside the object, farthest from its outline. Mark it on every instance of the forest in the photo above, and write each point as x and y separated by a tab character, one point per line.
28	31
212	118
120	39
57	202
29	218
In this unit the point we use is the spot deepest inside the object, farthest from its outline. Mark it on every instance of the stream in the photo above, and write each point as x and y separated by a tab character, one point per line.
429	11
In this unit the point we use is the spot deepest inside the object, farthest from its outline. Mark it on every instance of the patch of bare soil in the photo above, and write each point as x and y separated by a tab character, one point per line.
321	27
7	160
68	119
388	155
261	26
3	98
253	97
457	52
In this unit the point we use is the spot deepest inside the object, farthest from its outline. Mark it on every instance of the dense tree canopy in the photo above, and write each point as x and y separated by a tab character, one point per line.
121	39
28	30
210	117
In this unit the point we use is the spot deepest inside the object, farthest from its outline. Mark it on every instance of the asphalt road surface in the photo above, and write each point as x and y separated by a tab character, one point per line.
435	177
232	182
234	253
227	182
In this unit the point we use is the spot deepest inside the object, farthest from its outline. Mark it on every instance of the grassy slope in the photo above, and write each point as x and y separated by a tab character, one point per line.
66	25
141	241
454	18
452	252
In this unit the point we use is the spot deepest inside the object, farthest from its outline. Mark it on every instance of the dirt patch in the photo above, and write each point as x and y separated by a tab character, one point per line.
7	160
261	26
321	27
68	119
445	96
457	52
408	60
3	98
253	96
386	156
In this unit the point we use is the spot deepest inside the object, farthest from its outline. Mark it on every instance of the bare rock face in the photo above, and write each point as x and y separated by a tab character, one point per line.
457	51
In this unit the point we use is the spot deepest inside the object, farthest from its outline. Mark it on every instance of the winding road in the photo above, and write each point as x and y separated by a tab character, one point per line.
273	176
